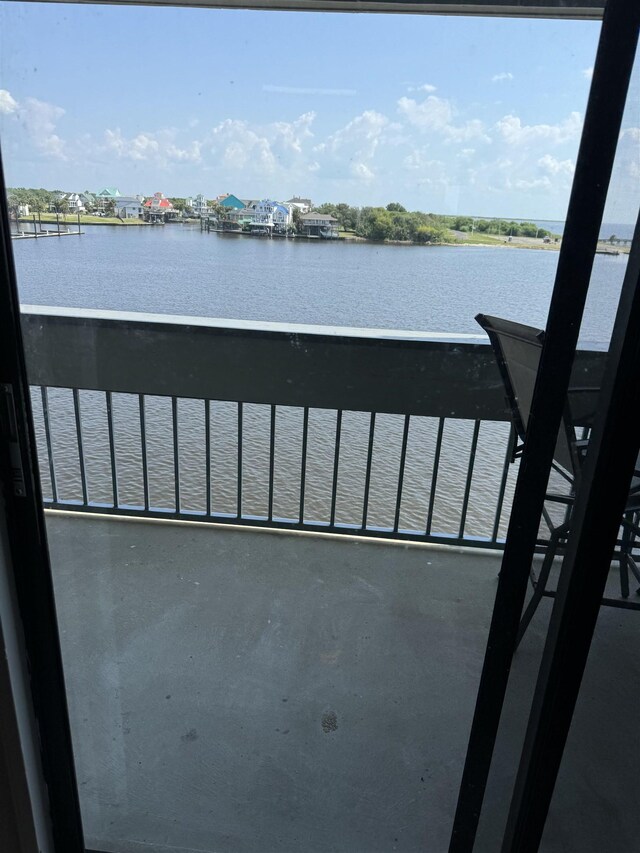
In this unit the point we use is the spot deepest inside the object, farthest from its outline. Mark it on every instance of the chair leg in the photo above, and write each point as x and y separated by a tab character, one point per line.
623	560
540	586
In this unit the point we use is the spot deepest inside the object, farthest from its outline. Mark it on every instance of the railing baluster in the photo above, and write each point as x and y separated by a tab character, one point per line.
367	475
336	465
303	469
503	483
176	452
239	499
143	450
434	476
272	459
467	485
47	434
207	453
83	470
112	449
403	459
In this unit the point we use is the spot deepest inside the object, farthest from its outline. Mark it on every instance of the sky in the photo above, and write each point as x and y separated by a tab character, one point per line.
444	114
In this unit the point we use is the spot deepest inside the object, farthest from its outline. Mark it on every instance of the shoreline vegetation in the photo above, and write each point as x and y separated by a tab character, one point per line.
390	225
454	238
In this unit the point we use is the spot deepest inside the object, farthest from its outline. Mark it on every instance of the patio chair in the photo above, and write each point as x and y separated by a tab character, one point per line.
517	349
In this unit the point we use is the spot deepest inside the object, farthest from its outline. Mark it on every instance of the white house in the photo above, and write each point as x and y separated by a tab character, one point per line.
75	202
264	213
199	205
282	215
128	208
303	204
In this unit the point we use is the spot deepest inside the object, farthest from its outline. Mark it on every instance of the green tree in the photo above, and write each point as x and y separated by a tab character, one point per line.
218	211
430	234
396	207
61	205
296	217
110	207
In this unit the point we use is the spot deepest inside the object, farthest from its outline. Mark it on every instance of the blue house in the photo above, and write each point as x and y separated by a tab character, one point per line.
231	201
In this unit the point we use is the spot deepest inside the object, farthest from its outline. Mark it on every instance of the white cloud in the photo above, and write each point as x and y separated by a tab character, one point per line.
39	118
280	147
363	132
240	146
362	172
158	147
504	75
513	132
587	72
543	183
631	133
290	136
140	147
556	167
437	115
8	104
424	87
419	161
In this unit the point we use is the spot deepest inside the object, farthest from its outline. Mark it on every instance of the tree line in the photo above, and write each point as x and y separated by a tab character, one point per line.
393	222
39	200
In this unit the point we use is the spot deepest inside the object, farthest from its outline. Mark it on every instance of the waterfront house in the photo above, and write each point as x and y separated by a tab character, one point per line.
320	225
127	207
73	200
75	203
106	195
282	216
304	205
231	202
198	205
88	200
264	213
158	208
242	216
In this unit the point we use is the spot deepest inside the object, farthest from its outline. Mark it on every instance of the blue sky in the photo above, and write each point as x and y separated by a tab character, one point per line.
452	115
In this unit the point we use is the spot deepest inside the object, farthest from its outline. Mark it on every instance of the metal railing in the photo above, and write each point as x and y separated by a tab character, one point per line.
378	434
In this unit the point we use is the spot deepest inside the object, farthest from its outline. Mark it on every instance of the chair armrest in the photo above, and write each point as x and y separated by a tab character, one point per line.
560	499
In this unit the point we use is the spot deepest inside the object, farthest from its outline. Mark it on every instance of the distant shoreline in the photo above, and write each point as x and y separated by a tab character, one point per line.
487	241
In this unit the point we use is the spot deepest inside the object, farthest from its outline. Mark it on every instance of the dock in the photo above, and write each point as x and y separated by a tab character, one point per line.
61	230
30	235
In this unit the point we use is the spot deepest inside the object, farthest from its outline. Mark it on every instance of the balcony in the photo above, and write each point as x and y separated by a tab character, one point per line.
270	650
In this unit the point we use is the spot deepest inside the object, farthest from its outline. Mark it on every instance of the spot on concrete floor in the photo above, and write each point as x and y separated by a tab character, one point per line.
329	722
190	736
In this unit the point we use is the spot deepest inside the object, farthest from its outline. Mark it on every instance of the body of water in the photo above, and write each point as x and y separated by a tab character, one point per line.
179	270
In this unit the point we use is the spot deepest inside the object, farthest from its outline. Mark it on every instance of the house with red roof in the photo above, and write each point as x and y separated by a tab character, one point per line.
158	208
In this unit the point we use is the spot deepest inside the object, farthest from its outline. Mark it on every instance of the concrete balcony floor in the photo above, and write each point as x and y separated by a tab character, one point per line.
234	691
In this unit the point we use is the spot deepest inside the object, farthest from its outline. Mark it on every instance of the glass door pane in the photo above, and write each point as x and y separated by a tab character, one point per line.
264	334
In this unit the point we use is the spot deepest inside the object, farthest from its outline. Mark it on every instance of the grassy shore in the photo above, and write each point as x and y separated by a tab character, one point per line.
85	219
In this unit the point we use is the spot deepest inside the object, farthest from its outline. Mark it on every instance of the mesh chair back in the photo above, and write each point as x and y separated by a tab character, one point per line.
517	349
